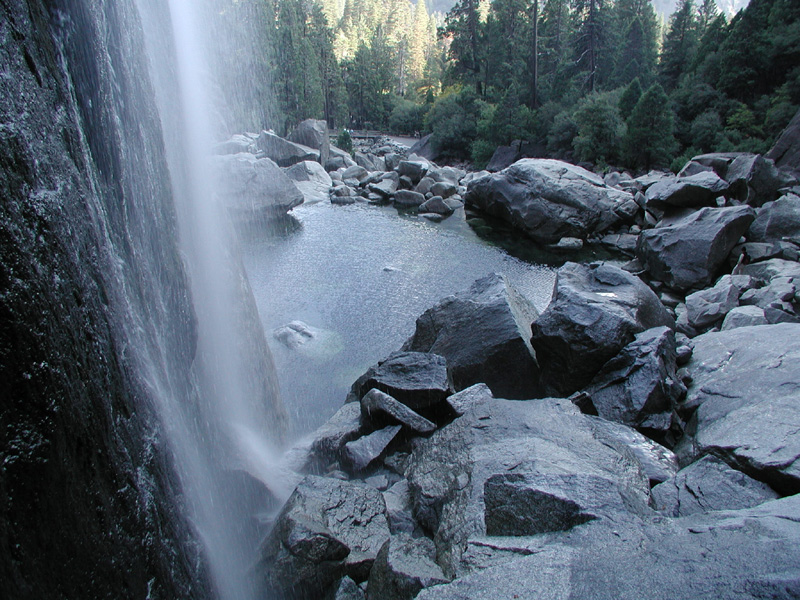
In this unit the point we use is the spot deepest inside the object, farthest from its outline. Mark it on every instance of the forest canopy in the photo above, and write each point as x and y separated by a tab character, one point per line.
603	81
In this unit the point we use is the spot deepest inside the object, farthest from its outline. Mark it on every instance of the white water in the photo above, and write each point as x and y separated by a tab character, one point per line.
229	427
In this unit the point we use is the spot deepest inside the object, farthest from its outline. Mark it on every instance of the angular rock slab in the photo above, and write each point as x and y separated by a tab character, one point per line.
284	152
639	386
417	379
700	189
689	252
404	566
329	440
327	529
378	407
548	199
777	221
360	453
596	311
251	187
746	388
706	485
747	554
545	439
484	334
311	179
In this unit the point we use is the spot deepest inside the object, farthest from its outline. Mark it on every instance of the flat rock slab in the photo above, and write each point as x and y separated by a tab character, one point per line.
689	252
545	441
548	199
596	311
378	407
700	189
735	555
707	485
417	379
484	333
745	387
360	453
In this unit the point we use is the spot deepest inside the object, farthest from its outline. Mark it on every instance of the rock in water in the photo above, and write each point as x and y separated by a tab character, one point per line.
639	386
709	484
417	379
251	188
689	253
548	199
596	311
484	334
744	389
327	529
404	566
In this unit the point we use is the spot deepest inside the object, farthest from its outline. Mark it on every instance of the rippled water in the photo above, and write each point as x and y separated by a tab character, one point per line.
361	275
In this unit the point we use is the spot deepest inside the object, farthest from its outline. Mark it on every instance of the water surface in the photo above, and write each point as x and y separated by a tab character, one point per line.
361	275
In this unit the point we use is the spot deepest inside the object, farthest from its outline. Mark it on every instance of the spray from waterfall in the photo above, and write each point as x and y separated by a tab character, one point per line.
227	445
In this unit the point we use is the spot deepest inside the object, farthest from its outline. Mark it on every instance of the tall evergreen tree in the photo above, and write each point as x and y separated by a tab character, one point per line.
649	140
418	41
465	31
680	44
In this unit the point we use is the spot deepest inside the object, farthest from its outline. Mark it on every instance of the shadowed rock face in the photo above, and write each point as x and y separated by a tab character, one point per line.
86	214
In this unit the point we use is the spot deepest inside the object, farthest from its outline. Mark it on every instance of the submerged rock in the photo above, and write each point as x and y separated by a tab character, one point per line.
484	334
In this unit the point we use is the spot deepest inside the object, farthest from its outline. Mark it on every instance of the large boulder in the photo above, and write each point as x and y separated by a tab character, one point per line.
700	189
311	179
744	389
417	379
425	148
639	387
313	133
709	306
709	484
251	187
284	152
748	554
596	311
786	151
752	178
542	464
777	221
327	529
689	252
484	333
548	199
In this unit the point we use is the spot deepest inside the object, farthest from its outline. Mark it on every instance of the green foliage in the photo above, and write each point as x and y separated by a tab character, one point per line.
561	134
407	117
629	98
649	140
453	122
706	130
600	130
344	141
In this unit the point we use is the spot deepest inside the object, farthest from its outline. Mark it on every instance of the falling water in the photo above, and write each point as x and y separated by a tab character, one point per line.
236	426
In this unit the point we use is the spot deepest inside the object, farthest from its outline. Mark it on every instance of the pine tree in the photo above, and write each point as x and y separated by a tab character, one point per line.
418	41
635	33
464	29
649	140
629	98
592	43
680	44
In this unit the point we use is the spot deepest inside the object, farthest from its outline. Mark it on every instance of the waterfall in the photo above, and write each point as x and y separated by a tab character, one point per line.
236	429
141	412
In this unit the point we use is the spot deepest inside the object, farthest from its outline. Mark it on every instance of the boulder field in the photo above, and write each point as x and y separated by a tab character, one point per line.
639	437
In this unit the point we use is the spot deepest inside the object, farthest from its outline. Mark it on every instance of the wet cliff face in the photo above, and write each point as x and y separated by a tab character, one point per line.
95	316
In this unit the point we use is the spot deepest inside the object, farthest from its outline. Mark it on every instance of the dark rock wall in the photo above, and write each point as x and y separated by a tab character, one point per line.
95	314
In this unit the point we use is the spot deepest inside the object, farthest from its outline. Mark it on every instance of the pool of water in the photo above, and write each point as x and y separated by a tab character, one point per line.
360	276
